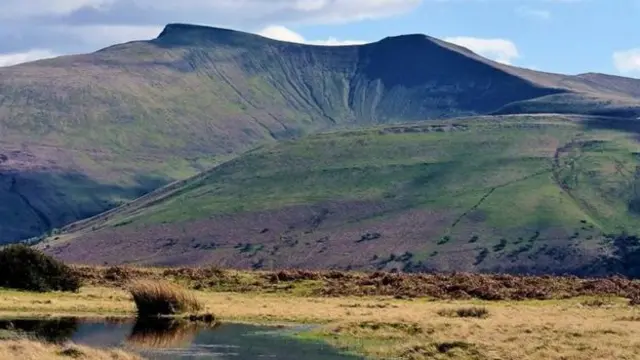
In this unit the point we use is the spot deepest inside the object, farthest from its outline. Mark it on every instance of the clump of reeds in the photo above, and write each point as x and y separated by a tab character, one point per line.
470	312
160	298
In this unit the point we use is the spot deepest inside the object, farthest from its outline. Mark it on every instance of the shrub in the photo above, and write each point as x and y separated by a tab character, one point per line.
471	312
500	246
597	302
634	300
25	268
162	298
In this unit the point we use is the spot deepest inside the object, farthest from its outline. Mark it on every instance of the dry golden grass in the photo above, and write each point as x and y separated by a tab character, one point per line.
89	301
153	298
385	327
33	350
525	331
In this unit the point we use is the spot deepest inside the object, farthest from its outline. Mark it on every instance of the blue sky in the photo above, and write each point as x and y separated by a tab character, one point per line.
559	36
567	36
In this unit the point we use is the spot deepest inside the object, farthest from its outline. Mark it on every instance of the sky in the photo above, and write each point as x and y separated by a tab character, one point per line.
564	36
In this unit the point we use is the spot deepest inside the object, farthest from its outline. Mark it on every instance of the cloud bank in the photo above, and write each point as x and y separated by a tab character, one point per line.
500	50
45	27
627	62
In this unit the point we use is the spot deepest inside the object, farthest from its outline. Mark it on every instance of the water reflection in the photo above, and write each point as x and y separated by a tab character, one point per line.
167	339
165	333
49	330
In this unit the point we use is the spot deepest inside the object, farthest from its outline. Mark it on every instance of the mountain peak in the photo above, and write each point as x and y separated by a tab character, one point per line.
181	28
179	33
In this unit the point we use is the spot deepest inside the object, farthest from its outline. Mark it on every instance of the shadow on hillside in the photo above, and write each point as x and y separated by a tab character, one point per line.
623	260
626	124
40	201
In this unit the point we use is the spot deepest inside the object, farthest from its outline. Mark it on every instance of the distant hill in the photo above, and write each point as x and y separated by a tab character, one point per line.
517	193
82	134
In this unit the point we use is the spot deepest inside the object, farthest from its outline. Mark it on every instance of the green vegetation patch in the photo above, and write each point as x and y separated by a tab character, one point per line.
520	172
24	268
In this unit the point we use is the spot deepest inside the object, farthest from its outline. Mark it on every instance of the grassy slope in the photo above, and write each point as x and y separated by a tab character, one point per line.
83	133
535	192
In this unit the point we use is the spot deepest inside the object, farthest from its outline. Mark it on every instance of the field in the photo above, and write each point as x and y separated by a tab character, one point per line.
525	193
594	320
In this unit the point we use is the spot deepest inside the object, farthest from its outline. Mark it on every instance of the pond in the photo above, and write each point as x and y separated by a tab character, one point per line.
166	339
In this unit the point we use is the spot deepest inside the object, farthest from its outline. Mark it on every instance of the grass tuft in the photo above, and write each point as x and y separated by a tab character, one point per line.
158	298
28	349
598	302
470	312
72	352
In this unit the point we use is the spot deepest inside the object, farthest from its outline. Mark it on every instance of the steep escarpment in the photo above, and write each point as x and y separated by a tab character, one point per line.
132	117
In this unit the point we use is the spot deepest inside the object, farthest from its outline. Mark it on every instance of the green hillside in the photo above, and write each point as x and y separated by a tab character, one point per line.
82	134
532	192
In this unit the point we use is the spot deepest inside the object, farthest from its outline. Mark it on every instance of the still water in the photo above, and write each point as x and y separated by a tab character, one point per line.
174	340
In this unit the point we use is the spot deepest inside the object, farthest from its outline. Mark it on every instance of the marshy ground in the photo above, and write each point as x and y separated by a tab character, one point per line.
389	316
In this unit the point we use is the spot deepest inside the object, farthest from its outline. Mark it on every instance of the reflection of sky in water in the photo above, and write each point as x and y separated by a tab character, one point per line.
170	340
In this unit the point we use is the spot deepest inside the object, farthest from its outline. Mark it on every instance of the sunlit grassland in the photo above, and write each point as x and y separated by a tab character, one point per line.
550	172
384	328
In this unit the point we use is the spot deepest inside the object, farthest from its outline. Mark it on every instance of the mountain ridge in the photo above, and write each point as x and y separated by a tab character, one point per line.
85	133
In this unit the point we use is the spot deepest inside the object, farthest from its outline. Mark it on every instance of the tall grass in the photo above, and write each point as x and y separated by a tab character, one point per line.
465	312
158	298
31	350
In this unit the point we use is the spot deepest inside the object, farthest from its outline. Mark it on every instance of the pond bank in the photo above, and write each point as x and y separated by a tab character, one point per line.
385	327
170	339
33	350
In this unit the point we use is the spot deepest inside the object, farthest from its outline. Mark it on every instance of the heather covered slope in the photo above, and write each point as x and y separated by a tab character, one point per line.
510	193
82	134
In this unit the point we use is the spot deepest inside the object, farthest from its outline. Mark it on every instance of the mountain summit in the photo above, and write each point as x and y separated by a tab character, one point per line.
85	133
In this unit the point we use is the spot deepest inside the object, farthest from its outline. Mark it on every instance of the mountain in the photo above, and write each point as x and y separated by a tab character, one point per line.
85	133
513	193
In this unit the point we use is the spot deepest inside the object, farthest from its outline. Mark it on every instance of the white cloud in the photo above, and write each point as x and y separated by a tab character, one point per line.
282	33
132	12
19	58
539	14
114	34
19	8
627	61
500	50
336	42
78	26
